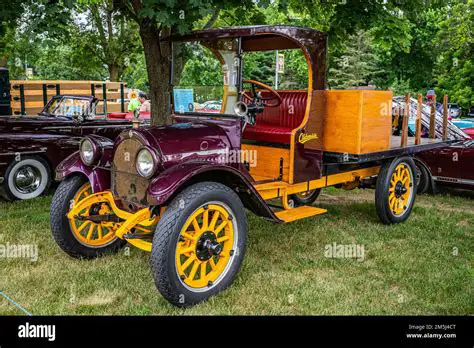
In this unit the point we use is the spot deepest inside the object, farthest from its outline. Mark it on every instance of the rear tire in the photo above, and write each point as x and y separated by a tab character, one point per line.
305	198
180	255
395	190
26	179
423	182
61	226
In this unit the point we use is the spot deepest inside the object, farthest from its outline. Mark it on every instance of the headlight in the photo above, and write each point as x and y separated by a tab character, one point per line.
145	163
88	151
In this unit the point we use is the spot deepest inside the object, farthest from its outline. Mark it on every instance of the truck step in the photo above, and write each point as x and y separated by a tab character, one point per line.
299	213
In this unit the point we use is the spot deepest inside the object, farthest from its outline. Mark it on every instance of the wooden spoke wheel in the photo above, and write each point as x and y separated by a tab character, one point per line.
206	245
80	237
396	190
88	233
199	243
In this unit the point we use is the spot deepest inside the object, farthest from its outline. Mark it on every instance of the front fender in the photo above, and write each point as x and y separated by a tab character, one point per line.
163	187
98	177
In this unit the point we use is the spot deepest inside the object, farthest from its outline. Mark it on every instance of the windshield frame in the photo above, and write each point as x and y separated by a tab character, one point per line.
59	99
238	56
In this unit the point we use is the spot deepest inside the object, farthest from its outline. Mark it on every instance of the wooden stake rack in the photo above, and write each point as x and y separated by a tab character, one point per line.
30	96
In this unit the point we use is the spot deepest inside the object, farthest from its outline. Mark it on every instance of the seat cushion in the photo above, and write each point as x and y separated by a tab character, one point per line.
276	124
268	133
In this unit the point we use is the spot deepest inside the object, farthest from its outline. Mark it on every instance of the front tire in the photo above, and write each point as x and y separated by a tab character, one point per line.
81	239
395	190
199	244
26	179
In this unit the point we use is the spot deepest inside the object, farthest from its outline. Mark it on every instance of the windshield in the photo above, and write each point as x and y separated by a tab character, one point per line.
205	76
68	107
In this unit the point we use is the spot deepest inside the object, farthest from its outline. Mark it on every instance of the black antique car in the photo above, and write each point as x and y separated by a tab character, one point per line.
32	146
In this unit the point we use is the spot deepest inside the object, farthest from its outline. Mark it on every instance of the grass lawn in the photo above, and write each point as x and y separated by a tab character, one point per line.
421	267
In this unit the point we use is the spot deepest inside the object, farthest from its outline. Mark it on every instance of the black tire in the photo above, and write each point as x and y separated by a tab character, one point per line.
384	211
423	182
168	232
35	178
60	225
307	199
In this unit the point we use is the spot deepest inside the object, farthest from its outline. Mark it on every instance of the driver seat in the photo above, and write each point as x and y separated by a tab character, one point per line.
275	125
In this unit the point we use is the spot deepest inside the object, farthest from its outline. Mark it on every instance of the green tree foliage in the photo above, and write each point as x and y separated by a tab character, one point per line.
406	45
455	66
260	66
106	33
357	66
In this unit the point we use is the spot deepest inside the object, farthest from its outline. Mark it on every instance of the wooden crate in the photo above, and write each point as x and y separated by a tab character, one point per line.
35	93
357	121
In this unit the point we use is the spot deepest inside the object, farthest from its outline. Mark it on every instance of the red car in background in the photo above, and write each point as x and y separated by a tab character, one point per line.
449	166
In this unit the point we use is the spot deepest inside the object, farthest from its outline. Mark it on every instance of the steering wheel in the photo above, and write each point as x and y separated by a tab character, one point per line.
256	96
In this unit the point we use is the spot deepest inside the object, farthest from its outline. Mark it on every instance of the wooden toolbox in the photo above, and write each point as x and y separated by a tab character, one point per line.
356	121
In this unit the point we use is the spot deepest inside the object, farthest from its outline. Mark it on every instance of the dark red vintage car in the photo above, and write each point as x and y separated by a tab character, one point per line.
32	146
449	166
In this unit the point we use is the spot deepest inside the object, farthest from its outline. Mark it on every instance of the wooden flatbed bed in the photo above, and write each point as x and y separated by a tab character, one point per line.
395	150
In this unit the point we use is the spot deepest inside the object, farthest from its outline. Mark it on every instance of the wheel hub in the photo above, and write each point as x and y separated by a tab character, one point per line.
400	189
207	246
27	179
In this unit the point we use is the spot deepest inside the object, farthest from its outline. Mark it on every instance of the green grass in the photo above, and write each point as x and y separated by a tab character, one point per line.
409	268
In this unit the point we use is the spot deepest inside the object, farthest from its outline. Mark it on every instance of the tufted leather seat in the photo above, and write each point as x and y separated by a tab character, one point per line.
275	124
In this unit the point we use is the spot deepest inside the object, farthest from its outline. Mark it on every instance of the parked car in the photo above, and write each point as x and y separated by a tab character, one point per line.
454	110
451	166
212	106
32	146
470	113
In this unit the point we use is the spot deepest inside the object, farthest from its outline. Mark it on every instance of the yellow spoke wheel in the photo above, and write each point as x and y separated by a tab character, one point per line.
400	190
88	233
199	243
205	246
395	190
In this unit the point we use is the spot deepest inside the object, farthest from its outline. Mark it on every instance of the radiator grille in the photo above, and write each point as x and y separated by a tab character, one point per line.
126	182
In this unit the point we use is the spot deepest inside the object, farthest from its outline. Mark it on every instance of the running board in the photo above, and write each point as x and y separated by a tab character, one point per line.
299	213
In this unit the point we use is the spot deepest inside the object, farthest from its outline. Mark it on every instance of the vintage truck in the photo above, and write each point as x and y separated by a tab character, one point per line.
180	191
31	146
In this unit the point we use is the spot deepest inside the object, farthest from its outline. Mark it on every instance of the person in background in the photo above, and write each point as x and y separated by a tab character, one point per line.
145	107
134	103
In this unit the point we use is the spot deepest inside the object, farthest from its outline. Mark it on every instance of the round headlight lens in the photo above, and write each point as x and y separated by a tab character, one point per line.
87	151
145	163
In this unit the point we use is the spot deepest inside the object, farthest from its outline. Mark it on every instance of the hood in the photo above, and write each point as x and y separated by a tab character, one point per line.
186	141
30	123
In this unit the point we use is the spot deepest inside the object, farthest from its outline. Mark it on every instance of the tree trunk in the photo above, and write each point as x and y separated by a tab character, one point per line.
158	67
114	75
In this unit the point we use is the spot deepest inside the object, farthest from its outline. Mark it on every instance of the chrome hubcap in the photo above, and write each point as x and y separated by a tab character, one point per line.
27	179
